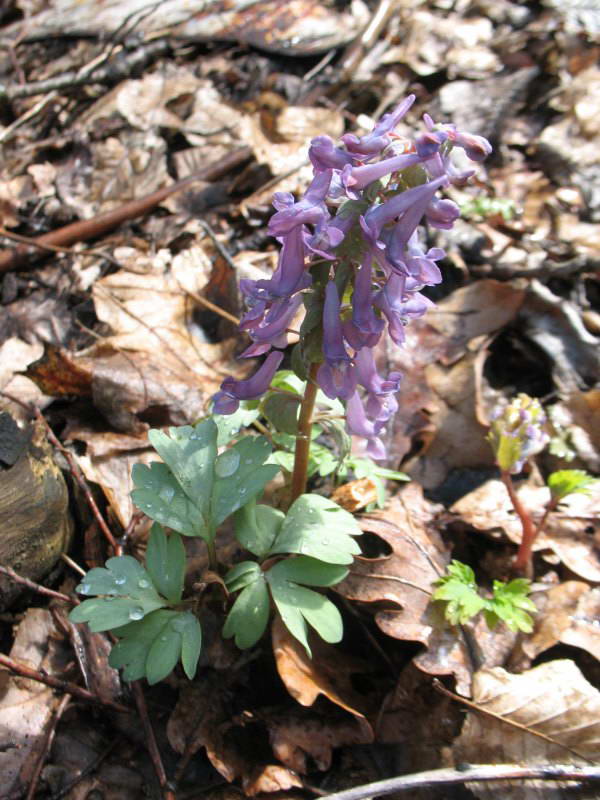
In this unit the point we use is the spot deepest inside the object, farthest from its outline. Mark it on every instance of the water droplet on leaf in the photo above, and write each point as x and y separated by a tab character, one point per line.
120	580
136	613
143	583
227	463
83	588
166	494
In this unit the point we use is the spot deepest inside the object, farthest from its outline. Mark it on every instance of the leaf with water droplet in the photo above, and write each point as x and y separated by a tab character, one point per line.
249	615
227	463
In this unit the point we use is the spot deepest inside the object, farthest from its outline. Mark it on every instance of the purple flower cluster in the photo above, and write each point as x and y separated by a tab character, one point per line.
360	215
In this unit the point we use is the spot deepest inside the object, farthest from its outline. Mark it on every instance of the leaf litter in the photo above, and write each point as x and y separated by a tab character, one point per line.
113	339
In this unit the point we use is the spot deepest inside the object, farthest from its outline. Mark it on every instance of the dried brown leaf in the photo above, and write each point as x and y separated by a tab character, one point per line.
553	699
404	578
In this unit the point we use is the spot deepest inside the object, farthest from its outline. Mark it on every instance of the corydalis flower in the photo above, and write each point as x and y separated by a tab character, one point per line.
361	215
517	432
228	399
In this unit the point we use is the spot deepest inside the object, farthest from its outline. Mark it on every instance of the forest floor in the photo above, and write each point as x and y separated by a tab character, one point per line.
120	323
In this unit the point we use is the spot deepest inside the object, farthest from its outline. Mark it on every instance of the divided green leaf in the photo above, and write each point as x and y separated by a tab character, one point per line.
249	614
196	489
152	647
165	562
317	527
459	591
569	481
256	527
299	606
510	603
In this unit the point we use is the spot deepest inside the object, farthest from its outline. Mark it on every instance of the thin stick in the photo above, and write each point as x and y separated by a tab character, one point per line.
92	228
78	475
476	773
36	587
302	450
49	739
152	746
57	683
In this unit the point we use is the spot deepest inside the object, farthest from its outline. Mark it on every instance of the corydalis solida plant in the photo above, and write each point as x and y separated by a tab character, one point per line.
352	253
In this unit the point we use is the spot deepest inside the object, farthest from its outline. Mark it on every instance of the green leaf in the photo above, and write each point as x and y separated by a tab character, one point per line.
151	648
241	575
256	527
106	613
459	591
160	497
249	614
569	481
317	527
312	572
165	562
240	475
122	576
298	606
191	644
228	425
285	460
190	453
288	380
131	651
510	603
281	411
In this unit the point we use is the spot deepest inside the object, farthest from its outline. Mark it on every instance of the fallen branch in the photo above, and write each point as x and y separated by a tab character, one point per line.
470	773
97	226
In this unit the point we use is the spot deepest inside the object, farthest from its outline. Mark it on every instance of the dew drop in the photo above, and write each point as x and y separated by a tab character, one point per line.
324	542
243	490
83	588
136	613
163	638
178	625
143	583
227	463
166	494
120	580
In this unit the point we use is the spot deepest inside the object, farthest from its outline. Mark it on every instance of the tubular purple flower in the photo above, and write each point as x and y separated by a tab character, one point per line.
359	425
370	379
275	322
291	275
429	143
374	142
333	340
365	327
413	202
399	307
324	155
442	213
477	148
354	179
227	400
311	209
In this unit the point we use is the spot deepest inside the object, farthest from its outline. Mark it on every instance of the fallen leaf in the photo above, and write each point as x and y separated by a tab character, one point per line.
553	699
327	673
404	578
26	706
300	735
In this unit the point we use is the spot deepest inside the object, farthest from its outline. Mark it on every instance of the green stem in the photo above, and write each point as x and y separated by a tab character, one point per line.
213	564
523	561
302	450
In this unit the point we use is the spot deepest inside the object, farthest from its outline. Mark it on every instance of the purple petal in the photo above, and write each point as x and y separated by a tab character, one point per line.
333	340
254	386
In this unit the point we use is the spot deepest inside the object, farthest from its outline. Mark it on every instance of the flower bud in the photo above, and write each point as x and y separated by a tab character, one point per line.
517	432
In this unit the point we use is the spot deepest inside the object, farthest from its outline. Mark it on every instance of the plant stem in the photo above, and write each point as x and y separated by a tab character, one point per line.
523	561
213	563
302	450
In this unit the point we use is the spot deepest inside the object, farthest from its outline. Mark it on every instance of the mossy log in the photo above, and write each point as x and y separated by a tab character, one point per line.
35	523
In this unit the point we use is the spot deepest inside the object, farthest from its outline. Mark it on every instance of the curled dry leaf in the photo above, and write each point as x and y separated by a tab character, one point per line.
553	699
356	494
571	533
204	717
327	673
402	581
